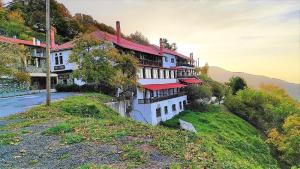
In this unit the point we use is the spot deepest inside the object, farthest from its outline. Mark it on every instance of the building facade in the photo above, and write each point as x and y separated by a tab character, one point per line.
160	94
36	62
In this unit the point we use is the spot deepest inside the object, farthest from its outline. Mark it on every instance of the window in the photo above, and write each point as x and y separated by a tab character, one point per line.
158	112
167	74
172	60
166	59
61	60
174	107
140	73
56	61
151	94
180	105
166	109
184	104
155	73
148	73
161	74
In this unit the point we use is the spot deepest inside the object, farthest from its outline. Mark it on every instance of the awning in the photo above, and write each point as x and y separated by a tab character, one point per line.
191	81
155	87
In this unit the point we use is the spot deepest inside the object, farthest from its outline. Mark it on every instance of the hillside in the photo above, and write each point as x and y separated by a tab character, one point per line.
234	142
255	81
81	132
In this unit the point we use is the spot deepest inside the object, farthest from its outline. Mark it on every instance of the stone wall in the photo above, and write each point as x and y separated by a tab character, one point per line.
9	87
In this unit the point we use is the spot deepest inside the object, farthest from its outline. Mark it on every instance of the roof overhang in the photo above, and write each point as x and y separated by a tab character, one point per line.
155	87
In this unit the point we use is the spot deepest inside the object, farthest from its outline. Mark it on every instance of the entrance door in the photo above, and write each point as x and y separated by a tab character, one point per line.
158	115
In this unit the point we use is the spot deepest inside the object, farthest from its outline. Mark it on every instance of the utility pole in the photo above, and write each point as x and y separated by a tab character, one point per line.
48	29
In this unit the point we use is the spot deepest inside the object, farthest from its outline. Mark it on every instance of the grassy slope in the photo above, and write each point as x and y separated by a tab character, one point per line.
234	142
73	125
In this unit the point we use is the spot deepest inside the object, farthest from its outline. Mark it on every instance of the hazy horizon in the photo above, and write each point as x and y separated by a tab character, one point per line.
257	37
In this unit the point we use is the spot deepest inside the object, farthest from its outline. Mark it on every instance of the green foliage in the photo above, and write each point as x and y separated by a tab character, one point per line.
59	129
236	84
95	59
287	141
167	45
81	109
269	112
138	37
13	61
9	138
195	93
234	142
72	138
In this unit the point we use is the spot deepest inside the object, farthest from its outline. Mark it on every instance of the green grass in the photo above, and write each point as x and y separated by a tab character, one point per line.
59	129
233	141
72	138
9	138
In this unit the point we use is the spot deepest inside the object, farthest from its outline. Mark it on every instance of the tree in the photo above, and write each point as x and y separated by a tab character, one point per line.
203	70
218	90
13	61
99	62
196	93
138	37
167	45
287	141
236	84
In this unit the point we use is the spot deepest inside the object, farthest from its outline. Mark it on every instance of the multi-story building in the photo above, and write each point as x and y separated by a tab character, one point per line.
36	62
161	94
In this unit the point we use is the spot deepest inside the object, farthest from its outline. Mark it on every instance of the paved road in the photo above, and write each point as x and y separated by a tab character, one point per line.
13	105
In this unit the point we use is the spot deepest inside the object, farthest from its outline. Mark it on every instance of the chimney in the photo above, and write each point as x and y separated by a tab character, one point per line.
53	31
192	58
118	33
33	41
161	46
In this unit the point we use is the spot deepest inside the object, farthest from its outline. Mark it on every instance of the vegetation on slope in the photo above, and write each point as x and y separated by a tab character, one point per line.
234	142
273	113
86	119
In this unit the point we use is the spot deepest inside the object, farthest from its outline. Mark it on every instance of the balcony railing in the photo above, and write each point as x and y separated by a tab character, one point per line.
186	76
158	99
185	64
150	62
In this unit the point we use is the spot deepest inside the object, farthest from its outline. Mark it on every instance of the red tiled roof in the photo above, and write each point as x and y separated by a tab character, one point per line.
19	41
155	87
191	81
172	52
113	38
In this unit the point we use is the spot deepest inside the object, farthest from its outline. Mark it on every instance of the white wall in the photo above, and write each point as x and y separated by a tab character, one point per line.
147	112
65	54
169	64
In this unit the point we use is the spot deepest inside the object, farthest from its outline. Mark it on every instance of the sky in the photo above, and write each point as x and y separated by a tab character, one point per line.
255	36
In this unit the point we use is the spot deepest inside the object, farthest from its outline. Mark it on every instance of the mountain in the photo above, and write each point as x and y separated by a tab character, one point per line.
222	75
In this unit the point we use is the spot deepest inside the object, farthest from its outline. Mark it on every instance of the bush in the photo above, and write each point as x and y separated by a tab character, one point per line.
67	88
103	88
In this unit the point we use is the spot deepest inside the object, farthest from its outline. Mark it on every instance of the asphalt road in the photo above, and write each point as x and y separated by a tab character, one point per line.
13	105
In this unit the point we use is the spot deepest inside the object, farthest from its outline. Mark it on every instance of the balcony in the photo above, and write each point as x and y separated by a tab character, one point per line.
150	62
187	76
185	64
158	99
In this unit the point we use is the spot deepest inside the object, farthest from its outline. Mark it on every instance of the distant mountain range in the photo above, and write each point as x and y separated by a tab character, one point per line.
222	75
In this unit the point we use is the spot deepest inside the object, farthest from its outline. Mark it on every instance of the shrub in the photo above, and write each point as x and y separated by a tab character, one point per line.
81	109
67	88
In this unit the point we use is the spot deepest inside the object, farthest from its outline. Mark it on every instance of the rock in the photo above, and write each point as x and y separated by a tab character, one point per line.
187	126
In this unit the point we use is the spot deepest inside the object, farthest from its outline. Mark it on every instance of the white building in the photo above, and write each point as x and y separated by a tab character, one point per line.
161	95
